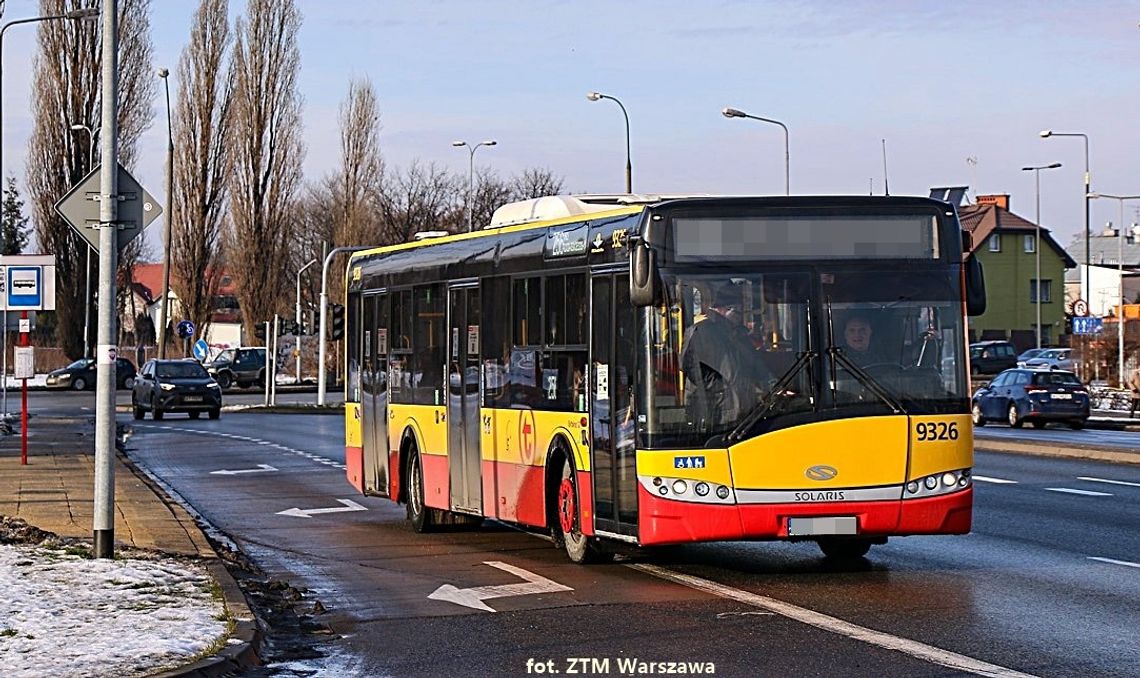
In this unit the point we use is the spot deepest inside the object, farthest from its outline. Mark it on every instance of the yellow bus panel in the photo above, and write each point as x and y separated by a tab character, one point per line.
353	428
943	442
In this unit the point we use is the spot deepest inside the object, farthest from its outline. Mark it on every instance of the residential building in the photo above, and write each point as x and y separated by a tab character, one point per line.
1006	245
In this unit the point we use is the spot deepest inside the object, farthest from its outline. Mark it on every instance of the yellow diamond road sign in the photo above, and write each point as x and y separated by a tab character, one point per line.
80	208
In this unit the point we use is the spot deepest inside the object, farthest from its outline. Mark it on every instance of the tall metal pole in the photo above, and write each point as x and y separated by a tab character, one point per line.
321	371
595	96
470	187
1036	169
298	318
734	113
105	354
91	140
166	218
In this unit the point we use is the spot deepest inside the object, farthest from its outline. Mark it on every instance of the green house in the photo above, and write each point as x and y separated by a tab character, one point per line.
1006	245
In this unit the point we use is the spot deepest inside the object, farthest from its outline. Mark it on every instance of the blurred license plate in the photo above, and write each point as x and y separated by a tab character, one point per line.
821	525
193	399
1061	396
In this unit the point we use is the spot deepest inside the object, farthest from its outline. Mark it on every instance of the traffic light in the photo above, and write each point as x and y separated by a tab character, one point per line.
336	326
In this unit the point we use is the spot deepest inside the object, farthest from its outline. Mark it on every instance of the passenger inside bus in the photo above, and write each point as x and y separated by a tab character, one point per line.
724	372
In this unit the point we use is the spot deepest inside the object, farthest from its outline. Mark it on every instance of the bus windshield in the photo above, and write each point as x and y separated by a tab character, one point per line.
739	353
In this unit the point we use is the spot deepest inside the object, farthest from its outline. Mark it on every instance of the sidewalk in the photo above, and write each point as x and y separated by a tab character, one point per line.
55	492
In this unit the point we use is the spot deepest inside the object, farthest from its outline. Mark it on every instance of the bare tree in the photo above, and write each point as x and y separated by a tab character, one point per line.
67	69
535	182
201	163
420	199
267	154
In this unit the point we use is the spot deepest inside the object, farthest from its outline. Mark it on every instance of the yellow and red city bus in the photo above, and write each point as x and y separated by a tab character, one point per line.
542	371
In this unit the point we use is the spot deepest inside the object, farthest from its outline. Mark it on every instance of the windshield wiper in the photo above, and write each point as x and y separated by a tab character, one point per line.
779	390
867	381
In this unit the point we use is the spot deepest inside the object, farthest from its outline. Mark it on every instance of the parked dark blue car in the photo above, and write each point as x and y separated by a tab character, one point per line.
1036	396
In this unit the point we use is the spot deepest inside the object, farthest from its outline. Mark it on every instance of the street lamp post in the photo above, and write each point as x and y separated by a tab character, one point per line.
298	317
92	135
163	307
595	96
1045	134
471	172
1037	238
74	14
1120	288
733	113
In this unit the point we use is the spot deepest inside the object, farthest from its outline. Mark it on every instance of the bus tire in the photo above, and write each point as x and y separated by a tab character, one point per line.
838	548
422	518
566	528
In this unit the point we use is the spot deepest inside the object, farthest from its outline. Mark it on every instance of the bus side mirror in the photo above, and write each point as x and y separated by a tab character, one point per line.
975	287
967	241
642	275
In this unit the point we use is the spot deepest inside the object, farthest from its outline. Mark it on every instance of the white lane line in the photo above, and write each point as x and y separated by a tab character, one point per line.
1105	480
258	441
999	481
1115	562
1083	493
929	653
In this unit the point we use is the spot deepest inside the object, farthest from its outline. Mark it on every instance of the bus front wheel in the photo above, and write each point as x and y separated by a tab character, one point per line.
568	528
838	548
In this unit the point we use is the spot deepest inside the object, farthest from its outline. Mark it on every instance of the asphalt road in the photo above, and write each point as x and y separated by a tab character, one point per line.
45	403
1047	584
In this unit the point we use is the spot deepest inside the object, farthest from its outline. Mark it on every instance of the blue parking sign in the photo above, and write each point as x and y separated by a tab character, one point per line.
1087	325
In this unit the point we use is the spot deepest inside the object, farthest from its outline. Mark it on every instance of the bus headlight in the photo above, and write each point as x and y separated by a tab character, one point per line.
938	483
702	489
722	492
680	486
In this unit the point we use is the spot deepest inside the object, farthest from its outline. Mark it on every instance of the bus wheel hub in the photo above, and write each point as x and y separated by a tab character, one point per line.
566	508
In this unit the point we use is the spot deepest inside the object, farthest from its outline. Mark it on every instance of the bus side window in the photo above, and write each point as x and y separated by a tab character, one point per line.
496	342
564	354
428	345
399	367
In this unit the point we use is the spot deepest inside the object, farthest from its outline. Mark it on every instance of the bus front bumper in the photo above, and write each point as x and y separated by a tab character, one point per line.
668	521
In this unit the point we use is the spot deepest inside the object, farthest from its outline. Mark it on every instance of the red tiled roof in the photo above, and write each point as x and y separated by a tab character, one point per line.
150	277
981	221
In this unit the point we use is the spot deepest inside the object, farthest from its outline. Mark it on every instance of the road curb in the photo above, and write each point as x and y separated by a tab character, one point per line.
1115	456
243	645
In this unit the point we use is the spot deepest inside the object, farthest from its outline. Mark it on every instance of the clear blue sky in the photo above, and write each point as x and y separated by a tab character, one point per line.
941	82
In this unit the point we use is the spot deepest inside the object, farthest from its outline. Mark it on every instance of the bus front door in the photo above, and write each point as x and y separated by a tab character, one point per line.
613	450
374	395
463	397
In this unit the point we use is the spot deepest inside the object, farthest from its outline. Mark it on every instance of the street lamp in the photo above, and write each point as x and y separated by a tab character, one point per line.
471	172
299	317
75	15
92	135
733	113
163	308
1045	134
595	96
1120	271
1037	238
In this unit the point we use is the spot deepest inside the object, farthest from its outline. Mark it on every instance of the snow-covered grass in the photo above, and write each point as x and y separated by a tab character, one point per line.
63	614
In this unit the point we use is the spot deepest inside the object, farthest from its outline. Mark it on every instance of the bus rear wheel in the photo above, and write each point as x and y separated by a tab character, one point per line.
422	518
567	530
838	548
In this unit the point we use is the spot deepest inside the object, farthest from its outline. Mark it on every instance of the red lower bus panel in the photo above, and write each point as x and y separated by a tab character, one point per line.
585	503
394	472
665	521
437	481
521	495
354	467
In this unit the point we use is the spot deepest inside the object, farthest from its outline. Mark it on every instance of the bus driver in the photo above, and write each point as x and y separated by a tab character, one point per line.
723	370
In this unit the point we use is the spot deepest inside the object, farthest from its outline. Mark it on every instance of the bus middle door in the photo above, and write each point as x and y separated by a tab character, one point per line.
463	397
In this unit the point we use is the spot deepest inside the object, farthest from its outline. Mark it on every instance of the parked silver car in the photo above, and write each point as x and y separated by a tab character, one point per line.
1053	358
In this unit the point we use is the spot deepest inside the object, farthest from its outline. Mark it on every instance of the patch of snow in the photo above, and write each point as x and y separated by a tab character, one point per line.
65	615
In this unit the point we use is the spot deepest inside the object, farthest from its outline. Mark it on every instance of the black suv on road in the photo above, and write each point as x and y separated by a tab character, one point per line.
241	366
991	357
164	386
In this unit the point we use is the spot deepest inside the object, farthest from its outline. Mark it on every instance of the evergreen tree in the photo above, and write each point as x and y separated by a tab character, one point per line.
13	223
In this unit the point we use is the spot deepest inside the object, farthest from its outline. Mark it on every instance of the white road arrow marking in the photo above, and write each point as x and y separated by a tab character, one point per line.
261	468
474	597
349	505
